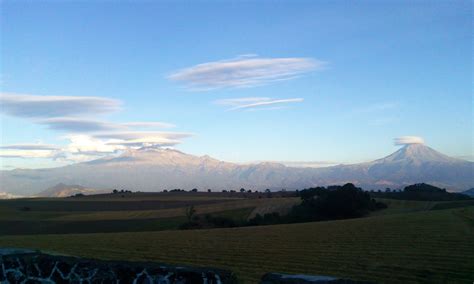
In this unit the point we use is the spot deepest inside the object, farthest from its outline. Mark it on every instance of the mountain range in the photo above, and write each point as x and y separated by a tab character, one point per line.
151	169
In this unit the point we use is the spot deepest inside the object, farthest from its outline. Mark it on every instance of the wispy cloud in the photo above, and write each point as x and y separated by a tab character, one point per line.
254	102
130	135
244	71
29	151
405	140
29	147
80	125
55	106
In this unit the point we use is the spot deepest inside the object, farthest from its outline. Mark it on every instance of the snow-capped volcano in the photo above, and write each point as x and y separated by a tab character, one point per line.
417	154
150	169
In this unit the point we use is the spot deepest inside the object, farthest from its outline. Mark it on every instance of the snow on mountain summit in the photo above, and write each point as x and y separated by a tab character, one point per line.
416	153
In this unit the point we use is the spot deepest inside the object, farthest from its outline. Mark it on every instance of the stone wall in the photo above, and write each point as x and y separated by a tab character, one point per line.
26	266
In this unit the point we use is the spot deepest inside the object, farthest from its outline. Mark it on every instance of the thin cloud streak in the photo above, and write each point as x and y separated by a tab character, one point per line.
79	125
255	103
29	147
131	135
244	71
266	103
31	106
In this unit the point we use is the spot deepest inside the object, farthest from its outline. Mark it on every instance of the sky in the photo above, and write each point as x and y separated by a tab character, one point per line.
301	82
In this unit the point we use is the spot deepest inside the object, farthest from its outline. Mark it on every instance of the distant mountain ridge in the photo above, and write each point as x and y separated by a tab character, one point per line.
157	169
469	192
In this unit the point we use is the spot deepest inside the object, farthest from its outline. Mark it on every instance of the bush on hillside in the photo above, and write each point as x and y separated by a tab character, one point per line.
422	192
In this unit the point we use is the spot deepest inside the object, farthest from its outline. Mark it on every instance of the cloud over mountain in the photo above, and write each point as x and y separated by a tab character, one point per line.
407	140
88	137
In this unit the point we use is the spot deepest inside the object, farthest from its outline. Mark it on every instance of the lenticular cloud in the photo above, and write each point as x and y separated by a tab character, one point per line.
244	71
406	140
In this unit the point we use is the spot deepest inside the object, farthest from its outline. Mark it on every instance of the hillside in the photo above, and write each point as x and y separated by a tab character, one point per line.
157	169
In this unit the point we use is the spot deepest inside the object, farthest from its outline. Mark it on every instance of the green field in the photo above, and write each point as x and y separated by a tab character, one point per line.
409	242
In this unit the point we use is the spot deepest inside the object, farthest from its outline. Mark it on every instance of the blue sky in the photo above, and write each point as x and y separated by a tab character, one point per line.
313	81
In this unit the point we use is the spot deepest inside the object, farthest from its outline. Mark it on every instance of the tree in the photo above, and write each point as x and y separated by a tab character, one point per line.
194	190
209	190
115	191
190	212
242	190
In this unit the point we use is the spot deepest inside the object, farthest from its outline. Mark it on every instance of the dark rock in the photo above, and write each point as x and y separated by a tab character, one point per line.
277	278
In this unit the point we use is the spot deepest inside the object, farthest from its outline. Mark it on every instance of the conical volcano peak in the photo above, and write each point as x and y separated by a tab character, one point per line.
417	152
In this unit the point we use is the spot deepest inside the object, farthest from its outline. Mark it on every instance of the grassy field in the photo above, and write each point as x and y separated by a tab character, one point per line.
409	242
421	247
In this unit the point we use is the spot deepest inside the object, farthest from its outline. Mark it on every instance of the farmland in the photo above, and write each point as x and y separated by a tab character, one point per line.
130	213
409	242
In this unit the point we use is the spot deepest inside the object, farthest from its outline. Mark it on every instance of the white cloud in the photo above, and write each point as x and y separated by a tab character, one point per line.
55	106
89	147
405	140
244	71
255	102
82	144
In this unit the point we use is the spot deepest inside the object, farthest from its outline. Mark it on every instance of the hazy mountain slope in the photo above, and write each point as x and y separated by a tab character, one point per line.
64	190
158	169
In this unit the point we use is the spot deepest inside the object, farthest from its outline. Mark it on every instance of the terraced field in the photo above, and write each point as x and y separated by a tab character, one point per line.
421	247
